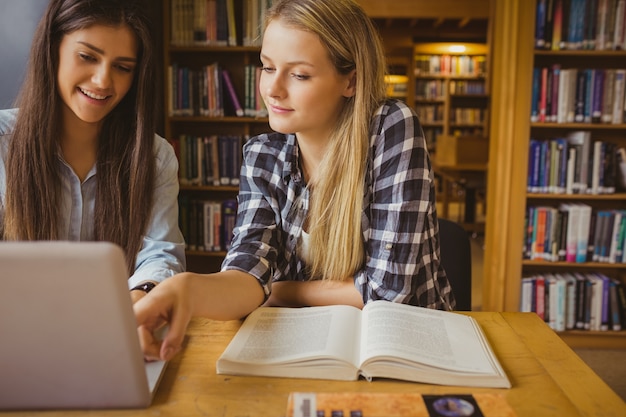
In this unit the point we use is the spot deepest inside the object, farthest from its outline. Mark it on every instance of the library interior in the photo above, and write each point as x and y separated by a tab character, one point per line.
523	108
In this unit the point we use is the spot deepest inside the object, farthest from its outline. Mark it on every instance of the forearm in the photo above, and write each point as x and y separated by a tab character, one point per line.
226	295
314	293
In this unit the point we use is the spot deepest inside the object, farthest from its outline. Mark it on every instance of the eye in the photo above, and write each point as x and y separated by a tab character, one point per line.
124	68
268	69
86	57
301	77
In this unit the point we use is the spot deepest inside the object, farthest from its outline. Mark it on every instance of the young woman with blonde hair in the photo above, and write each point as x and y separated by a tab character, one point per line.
337	206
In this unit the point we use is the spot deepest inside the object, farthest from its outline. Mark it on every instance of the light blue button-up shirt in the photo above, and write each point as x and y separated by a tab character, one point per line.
163	251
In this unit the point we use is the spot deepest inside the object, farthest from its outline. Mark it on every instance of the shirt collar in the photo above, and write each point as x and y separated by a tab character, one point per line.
291	169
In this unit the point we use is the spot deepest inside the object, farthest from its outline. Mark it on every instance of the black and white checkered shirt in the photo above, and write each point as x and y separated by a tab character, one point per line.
399	219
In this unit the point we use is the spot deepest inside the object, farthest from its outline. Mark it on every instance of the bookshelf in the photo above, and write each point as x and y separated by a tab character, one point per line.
508	197
451	89
191	51
452	99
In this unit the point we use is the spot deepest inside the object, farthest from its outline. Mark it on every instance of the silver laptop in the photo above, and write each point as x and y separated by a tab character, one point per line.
68	335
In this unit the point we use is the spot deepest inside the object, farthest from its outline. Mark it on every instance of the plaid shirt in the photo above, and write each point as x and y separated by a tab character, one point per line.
399	220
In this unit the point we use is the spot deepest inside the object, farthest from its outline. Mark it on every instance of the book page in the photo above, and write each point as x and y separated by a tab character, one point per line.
275	335
431	337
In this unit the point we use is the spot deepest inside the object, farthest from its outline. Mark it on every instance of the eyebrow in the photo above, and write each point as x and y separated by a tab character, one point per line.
101	52
263	56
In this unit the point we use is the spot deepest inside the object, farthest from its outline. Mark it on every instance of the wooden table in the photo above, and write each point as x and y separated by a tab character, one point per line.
548	378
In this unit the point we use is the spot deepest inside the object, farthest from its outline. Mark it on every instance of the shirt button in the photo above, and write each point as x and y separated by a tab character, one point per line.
388	246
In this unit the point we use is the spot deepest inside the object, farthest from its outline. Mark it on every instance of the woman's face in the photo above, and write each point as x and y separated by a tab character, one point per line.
303	91
96	69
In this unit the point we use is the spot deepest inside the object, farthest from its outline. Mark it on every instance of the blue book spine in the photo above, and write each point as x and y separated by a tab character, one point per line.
589	83
532	166
540	25
544	166
534	112
598	89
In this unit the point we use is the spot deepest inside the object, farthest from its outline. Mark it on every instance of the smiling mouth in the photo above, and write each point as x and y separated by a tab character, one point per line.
92	95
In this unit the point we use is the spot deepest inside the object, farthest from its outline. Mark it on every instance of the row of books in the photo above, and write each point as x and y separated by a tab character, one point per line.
430	90
578	95
430	113
202	92
467	115
569	301
207	224
575	165
460	65
574	232
436	89
216	22
580	24
209	160
467	87
209	91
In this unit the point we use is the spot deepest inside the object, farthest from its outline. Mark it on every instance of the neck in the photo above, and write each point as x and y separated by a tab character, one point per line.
79	144
311	155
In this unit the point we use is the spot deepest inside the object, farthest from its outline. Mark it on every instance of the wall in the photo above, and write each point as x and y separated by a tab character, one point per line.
18	20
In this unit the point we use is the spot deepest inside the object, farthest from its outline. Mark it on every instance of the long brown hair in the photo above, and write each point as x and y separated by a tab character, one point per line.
125	156
353	44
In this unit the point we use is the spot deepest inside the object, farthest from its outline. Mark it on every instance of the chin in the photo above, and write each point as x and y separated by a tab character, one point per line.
280	127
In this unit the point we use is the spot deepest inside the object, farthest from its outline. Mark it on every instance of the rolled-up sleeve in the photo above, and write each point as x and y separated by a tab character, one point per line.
256	238
163	251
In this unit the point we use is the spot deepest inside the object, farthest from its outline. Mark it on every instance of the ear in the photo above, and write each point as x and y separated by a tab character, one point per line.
350	90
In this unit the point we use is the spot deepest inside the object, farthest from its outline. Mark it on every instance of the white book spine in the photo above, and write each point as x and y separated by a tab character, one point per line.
596	167
618	100
615	235
571	166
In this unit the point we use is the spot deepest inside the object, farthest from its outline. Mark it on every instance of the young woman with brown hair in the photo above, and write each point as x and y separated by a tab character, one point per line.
79	158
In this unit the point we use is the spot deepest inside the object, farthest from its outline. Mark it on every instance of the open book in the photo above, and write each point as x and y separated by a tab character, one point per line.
384	340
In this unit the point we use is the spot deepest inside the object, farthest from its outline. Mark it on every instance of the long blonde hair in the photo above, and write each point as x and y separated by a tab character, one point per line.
352	43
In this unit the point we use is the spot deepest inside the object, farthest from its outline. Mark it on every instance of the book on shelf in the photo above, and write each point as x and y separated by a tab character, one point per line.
212	211
210	160
575	233
580	24
232	94
384	340
620	161
573	300
217	22
575	164
229	218
397	404
207	224
577	95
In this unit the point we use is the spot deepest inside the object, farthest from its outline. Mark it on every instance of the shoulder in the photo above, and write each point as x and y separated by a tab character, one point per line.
393	111
269	147
8	118
267	143
7	126
394	121
270	154
164	153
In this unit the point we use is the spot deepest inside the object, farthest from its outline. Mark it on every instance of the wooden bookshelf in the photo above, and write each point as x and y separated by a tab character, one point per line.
195	54
451	89
514	57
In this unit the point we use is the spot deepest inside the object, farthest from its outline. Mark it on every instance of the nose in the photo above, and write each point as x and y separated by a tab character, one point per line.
272	85
102	76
